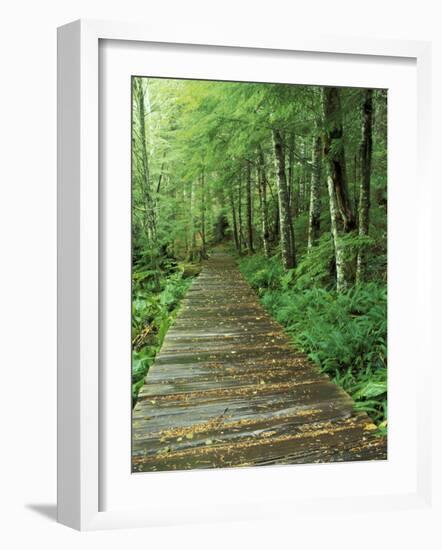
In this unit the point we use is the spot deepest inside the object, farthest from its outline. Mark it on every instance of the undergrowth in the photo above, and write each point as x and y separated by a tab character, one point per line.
344	334
156	295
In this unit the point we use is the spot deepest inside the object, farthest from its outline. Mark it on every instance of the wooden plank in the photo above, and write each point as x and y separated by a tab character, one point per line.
229	389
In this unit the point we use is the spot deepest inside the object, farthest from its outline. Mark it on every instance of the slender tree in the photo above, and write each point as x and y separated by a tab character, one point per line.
364	189
249	208
203	217
290	189
262	189
139	91
340	258
240	233
341	213
234	223
314	222
301	183
287	247
192	251
335	155
291	172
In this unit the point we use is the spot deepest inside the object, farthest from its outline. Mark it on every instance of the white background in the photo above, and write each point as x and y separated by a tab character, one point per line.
28	246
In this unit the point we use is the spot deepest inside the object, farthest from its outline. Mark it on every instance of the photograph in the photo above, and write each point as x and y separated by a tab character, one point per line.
259	274
222	264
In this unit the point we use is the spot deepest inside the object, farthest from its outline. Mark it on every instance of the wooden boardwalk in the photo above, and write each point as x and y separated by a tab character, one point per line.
228	389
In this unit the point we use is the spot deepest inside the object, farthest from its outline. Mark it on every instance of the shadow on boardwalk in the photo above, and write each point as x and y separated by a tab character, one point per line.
228	389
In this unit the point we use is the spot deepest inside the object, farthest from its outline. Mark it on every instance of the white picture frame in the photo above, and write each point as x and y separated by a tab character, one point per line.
79	437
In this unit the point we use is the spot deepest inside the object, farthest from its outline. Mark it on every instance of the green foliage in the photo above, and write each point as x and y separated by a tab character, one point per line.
263	274
153	309
141	361
316	269
344	334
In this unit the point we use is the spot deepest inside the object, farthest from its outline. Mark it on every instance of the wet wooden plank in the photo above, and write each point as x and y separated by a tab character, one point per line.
228	389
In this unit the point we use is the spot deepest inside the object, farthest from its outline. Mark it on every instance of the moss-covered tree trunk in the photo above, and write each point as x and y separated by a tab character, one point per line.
364	188
287	247
314	222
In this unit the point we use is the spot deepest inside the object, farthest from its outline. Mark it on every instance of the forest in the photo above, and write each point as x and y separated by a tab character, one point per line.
291	180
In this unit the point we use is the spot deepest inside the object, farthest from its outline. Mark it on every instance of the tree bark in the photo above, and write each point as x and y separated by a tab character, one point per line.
341	213
291	171
301	192
334	151
355	183
314	222
241	239
192	251
249	209
235	227
276	225
287	247
341	268
262	189
145	176
203	216
290	190
240	233
364	189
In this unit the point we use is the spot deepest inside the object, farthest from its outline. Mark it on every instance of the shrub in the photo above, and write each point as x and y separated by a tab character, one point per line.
153	308
263	273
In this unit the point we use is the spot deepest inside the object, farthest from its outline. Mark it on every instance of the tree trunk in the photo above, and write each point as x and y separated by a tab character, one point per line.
364	189
192	251
203	217
209	206
290	190
355	183
291	172
276	225
307	175
301	193
334	150
314	222
262	189
341	270
341	213
249	210
146	184
287	247
183	212
240	233
235	227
